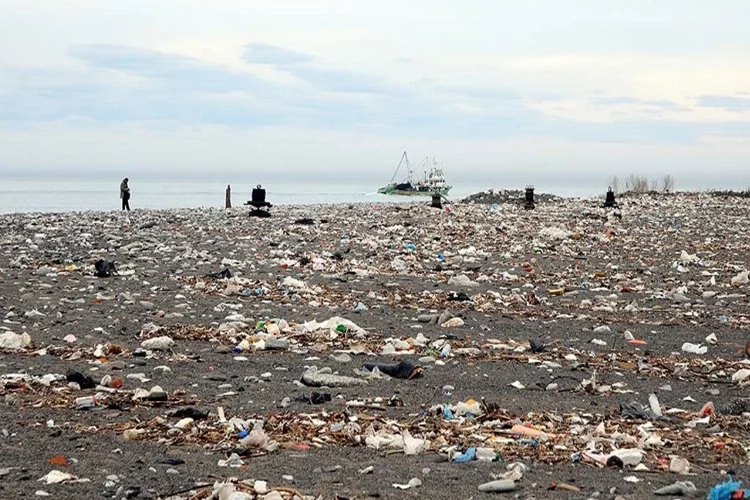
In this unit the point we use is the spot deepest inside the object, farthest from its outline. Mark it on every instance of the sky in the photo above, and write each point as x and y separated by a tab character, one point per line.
571	91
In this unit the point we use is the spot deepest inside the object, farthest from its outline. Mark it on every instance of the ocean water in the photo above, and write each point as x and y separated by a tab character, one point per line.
69	195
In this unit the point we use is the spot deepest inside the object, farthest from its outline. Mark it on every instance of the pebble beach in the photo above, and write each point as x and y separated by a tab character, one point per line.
377	350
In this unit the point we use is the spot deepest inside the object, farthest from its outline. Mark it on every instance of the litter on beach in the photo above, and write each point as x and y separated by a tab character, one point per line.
388	336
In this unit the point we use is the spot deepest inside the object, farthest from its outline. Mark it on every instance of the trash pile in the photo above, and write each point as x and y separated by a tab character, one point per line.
540	353
514	196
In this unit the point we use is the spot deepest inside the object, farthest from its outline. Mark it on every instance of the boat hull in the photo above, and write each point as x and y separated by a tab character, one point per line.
394	190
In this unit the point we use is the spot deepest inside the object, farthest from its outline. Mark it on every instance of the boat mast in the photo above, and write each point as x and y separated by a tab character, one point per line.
404	159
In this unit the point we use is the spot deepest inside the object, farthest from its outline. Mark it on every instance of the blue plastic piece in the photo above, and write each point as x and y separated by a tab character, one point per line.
243	434
468	456
447	413
724	491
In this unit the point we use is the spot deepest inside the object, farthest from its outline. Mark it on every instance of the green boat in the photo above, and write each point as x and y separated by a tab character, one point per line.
433	182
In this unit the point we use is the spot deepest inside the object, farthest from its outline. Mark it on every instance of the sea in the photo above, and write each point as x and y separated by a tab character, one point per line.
80	195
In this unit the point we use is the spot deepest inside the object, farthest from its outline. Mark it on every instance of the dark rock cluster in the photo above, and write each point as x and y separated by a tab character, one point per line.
492	197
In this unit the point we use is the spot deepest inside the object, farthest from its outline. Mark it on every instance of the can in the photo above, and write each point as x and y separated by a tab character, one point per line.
85	402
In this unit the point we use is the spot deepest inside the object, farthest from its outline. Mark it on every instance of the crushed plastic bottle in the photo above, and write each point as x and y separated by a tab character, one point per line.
486	455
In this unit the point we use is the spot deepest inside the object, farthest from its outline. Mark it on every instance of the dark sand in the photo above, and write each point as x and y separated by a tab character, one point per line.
604	263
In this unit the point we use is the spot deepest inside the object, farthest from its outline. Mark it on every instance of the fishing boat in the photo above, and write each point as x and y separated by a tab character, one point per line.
432	183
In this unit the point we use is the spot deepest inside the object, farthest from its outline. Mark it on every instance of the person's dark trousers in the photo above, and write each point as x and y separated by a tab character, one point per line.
126	204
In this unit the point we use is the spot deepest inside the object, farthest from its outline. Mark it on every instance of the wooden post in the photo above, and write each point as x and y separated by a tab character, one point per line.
228	202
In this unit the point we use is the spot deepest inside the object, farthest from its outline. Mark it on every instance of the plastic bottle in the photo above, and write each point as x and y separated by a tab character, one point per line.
446	351
500	486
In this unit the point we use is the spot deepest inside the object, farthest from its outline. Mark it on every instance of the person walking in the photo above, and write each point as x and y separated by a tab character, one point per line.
125	194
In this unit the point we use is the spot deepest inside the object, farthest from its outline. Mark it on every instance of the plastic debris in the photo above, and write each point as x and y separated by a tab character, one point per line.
728	490
321	378
680	488
450	308
694	348
56	477
500	486
413	483
10	340
412	446
679	465
467	456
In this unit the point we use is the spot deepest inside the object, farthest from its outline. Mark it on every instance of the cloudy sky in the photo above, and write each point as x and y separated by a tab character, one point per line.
569	90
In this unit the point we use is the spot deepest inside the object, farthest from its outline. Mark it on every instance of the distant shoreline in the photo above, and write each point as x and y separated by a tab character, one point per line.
486	197
44	196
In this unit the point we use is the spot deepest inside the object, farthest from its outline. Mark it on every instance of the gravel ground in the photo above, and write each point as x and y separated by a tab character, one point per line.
618	279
